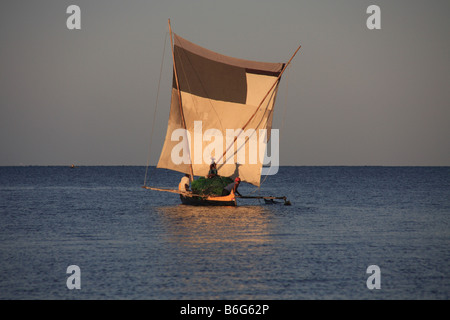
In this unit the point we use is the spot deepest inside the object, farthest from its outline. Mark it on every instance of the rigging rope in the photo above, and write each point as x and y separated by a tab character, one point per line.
154	112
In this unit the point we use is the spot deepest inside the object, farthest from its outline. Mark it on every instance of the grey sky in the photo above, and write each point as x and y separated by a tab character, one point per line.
352	96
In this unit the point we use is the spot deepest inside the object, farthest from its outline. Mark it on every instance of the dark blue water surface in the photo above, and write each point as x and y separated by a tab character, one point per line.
132	243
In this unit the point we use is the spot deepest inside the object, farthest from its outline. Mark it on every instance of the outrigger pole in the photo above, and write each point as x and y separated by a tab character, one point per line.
166	190
286	201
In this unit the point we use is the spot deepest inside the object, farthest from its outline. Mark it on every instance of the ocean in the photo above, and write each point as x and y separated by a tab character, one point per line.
132	243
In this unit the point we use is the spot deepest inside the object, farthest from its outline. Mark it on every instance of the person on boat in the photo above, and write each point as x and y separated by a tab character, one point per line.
212	170
232	186
184	183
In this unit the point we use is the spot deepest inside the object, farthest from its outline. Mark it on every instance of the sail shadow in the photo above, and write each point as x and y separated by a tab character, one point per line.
235	172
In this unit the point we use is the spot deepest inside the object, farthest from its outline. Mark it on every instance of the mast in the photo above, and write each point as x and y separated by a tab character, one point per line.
179	100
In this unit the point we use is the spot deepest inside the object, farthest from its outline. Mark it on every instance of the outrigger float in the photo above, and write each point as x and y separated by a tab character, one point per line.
215	93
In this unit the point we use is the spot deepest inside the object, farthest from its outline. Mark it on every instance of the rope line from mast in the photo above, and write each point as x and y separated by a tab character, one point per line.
154	112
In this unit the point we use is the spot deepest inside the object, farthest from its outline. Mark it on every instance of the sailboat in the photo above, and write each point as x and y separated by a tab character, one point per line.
221	108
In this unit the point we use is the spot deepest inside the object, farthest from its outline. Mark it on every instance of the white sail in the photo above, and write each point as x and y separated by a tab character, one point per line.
227	105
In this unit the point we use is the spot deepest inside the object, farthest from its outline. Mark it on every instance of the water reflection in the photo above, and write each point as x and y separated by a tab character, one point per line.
216	252
195	226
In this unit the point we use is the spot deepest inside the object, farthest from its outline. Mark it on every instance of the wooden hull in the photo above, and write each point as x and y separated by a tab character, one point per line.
192	200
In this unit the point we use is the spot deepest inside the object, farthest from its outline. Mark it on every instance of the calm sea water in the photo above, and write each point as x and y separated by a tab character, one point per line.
132	243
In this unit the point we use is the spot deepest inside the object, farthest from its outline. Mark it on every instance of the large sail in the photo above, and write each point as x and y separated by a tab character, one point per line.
220	96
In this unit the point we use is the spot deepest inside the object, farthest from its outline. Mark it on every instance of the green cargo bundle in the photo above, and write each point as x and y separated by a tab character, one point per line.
210	186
